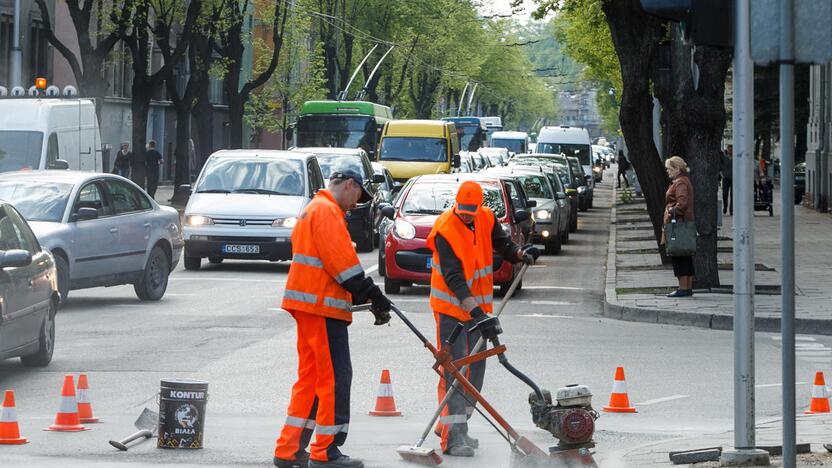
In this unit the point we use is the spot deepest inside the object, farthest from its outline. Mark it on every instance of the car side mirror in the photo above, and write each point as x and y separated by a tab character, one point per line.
378	178
84	214
560	196
456	161
521	216
531	203
59	165
186	188
387	210
15	258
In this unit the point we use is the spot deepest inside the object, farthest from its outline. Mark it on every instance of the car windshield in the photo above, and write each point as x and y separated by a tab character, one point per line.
535	186
470	137
252	175
340	162
582	152
37	200
337	131
413	149
20	150
514	146
432	199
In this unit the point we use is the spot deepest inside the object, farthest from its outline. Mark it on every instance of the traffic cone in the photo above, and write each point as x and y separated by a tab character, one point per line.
84	405
385	404
820	397
619	401
9	431
67	419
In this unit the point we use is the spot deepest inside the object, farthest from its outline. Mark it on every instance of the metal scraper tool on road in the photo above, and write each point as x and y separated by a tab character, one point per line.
147	424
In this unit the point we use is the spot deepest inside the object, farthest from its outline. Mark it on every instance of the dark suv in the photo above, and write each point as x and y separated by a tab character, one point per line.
361	221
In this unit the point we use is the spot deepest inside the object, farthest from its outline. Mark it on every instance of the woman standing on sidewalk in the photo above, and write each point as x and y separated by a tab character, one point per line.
679	206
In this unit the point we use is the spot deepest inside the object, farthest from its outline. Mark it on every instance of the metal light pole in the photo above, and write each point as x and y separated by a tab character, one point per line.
744	452
16	77
787	225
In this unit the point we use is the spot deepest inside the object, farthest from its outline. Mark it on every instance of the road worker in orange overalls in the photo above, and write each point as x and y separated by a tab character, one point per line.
325	279
464	240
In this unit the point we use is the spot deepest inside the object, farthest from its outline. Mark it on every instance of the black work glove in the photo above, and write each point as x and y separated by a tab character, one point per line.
529	254
488	326
380	306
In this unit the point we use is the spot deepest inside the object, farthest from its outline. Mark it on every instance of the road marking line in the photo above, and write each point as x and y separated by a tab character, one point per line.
228	280
771	385
662	400
553	303
797	338
371	269
818	360
568	288
545	315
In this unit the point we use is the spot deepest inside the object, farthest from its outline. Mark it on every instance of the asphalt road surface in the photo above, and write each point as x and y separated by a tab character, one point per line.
223	324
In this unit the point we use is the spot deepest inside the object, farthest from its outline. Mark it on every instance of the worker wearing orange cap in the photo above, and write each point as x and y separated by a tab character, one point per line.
464	240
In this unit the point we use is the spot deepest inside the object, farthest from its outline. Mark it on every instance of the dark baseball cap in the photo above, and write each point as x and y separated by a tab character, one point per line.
356	177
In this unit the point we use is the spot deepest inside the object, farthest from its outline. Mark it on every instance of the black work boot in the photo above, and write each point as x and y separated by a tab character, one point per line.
461	450
341	462
301	461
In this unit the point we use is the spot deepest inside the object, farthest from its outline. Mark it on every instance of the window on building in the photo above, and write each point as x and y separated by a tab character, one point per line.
38	52
119	73
6	37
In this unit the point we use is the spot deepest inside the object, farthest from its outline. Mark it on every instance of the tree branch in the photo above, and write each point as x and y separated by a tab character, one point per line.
56	43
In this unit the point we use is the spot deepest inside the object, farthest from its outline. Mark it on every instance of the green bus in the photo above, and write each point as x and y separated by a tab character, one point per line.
341	124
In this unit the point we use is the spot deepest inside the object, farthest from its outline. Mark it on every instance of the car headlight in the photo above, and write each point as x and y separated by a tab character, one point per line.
197	220
404	230
285	222
542	215
581	189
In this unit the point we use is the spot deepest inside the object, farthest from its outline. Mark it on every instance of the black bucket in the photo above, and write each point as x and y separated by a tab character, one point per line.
182	413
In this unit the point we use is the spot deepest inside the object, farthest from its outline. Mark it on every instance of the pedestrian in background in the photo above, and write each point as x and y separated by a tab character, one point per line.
679	206
138	169
152	160
623	167
325	279
464	240
727	168
121	166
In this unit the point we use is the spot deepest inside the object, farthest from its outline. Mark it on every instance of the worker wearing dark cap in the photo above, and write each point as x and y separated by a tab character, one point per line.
325	279
464	240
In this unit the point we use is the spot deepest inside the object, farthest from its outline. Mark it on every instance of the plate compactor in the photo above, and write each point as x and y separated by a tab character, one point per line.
570	417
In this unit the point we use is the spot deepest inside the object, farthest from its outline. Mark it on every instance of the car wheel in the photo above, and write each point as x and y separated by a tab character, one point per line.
215	260
590	201
553	246
365	243
573	226
382	268
154	281
46	341
62	268
392	286
564	236
192	263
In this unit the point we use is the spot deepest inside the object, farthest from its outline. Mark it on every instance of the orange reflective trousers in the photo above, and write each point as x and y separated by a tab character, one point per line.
321	396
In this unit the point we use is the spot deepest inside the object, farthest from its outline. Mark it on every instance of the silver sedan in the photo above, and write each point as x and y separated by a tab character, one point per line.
102	229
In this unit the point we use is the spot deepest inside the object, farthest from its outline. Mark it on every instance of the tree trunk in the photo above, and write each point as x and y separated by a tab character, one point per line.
635	37
140	108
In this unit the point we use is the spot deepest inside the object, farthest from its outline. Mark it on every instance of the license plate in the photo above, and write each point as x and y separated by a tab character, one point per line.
240	249
428	261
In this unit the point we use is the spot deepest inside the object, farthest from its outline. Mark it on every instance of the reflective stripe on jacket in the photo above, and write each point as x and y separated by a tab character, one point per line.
474	249
322	257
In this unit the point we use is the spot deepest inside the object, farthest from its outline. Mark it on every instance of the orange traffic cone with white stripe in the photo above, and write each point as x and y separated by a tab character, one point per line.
820	397
9	430
67	419
385	404
84	405
619	401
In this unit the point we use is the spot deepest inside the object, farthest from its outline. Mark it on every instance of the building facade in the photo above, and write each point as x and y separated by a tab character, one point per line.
819	137
37	54
580	109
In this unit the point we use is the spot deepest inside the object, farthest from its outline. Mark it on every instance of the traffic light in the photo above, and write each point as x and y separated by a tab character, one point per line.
705	22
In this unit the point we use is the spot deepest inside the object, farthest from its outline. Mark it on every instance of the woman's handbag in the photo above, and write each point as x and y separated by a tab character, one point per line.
681	238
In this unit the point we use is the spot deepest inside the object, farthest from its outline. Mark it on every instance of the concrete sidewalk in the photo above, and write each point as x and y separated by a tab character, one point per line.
815	430
636	282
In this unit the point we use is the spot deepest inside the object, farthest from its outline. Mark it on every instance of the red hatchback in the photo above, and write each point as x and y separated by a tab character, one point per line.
406	258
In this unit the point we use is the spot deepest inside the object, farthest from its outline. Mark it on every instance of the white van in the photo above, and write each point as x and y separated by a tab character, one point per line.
514	142
49	133
571	141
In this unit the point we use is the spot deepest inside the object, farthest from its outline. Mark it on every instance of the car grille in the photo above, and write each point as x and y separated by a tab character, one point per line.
240	239
242	222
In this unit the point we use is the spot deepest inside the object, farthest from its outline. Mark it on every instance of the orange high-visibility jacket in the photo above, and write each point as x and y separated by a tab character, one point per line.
323	257
474	249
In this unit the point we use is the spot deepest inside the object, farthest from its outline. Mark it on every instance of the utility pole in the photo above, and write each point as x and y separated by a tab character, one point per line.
744	451
17	52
